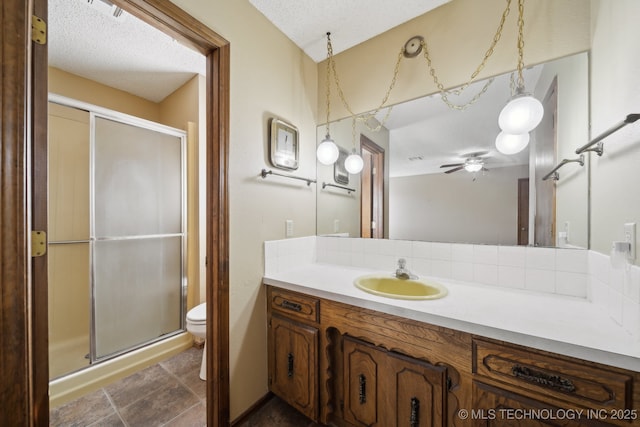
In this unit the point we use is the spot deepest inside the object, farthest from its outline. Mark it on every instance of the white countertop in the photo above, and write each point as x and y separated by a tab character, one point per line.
564	325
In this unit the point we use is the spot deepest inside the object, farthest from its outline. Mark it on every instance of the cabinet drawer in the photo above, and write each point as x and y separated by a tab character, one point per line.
294	305
552	378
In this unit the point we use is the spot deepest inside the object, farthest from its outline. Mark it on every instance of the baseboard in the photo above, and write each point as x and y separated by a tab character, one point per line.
252	409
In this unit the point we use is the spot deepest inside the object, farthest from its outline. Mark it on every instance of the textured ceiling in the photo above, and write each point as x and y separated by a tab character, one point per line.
306	22
129	55
123	53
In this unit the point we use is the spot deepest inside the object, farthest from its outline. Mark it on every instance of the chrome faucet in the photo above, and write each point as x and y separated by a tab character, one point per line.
403	273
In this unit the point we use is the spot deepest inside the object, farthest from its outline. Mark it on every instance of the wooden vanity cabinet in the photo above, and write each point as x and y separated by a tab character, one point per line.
382	388
293	352
509	378
497	407
351	366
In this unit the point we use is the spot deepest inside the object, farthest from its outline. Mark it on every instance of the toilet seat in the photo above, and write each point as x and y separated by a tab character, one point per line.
198	314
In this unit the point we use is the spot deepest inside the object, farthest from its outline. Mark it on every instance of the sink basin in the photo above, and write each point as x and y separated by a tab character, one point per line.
391	287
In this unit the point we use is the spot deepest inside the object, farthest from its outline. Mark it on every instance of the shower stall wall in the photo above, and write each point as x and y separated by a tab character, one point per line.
126	249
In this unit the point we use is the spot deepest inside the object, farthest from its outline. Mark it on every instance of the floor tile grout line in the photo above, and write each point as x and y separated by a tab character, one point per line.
182	413
145	395
184	384
115	407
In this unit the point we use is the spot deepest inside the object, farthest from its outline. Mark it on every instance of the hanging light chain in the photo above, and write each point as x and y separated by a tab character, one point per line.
366	116
520	43
444	94
328	86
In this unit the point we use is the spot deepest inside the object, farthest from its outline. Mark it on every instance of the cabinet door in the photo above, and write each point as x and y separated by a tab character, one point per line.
419	392
495	407
293	364
362	367
388	389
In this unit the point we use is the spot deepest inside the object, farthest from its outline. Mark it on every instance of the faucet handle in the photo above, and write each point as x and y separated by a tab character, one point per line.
402	262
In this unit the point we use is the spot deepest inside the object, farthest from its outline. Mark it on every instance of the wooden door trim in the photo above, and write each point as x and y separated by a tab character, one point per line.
24	362
378	181
16	375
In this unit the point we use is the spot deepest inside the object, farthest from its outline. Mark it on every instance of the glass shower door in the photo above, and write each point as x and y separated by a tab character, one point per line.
138	235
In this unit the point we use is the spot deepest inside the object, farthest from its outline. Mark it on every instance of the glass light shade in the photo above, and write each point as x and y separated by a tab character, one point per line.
353	164
521	115
327	152
511	144
473	167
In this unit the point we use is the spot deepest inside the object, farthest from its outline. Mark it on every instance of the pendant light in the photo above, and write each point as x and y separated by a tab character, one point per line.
353	163
523	112
327	152
511	144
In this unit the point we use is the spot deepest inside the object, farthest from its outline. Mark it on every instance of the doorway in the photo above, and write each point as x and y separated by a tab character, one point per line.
523	211
372	187
24	327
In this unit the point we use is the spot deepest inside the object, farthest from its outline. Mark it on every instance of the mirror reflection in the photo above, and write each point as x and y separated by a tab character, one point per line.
433	172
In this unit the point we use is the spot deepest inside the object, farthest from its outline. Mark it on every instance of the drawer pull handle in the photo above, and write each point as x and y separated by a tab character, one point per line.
289	365
362	389
551	381
414	419
291	306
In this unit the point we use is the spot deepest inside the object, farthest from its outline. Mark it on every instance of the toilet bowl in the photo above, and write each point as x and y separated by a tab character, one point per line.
197	326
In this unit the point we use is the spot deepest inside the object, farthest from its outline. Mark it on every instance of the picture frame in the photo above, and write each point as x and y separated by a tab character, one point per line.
283	144
340	173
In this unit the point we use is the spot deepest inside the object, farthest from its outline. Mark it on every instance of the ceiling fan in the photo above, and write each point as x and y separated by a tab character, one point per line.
473	162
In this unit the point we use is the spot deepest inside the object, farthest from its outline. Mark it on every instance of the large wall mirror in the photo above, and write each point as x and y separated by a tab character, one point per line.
428	187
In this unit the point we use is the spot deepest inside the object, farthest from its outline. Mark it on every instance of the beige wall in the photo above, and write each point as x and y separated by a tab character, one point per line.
454	208
270	76
615	93
76	87
458	33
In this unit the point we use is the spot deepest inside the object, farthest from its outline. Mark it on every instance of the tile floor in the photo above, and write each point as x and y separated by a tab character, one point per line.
169	394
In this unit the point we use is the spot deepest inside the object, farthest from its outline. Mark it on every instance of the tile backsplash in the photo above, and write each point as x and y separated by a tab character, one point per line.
569	272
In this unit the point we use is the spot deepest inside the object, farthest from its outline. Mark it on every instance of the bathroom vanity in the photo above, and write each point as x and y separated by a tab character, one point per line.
344	357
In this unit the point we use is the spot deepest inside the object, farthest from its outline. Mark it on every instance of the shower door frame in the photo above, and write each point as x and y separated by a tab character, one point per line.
122	118
96	111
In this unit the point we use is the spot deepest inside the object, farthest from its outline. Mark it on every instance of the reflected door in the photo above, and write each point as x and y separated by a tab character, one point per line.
372	187
138	235
545	159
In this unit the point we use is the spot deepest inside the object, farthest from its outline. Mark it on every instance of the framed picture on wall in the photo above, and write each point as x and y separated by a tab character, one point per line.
283	145
340	174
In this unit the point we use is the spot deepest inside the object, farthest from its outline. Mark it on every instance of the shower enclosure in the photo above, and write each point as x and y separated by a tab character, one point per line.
117	234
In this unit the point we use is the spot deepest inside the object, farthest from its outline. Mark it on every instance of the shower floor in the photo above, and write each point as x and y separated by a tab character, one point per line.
68	357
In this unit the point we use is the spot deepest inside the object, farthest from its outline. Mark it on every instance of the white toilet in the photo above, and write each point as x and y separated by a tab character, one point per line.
197	326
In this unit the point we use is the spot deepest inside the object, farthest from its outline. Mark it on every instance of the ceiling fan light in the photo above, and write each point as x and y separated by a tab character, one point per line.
521	114
473	167
327	152
507	143
353	163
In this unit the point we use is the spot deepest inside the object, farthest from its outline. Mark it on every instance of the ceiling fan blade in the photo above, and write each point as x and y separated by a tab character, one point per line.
454	169
452	165
475	154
